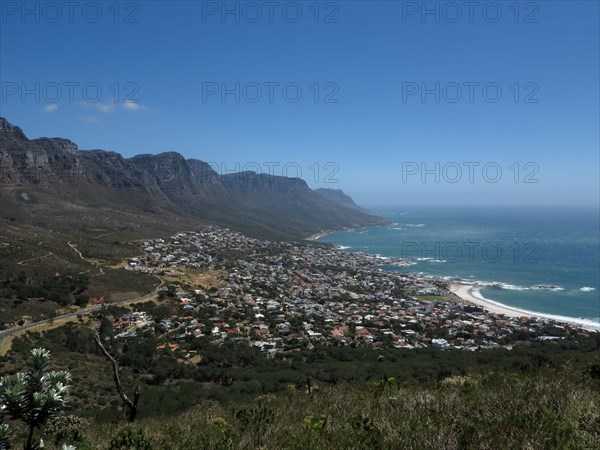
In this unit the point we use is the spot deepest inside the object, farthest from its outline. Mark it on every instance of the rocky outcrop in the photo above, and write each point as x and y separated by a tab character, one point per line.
37	161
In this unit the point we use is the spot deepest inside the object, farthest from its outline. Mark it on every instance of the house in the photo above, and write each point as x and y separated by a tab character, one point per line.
440	343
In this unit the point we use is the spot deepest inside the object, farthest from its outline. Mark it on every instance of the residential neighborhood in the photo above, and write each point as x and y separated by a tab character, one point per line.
277	296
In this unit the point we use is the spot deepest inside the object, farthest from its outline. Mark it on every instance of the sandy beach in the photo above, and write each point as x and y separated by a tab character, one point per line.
320	234
471	293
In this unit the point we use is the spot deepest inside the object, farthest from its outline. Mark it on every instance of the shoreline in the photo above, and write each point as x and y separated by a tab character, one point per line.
323	233
471	293
320	234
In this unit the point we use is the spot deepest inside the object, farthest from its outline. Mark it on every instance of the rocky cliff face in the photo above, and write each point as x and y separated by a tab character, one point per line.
9	130
258	204
37	161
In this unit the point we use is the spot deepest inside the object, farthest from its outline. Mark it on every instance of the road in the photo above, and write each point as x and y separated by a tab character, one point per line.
59	320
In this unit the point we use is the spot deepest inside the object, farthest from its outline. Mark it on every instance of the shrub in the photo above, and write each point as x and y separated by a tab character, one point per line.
315	423
67	428
130	438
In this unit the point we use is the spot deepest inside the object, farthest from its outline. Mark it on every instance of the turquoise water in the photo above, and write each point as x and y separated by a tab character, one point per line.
545	261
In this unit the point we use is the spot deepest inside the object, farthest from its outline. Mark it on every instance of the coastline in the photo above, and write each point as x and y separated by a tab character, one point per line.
471	293
323	233
320	234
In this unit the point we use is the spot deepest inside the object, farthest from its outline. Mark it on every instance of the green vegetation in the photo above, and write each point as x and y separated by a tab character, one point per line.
234	372
432	298
547	409
36	396
540	395
64	290
39	266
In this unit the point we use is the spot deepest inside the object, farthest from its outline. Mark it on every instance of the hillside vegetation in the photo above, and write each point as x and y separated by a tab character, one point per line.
544	410
545	396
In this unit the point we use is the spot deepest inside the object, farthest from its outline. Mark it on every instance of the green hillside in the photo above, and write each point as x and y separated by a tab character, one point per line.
545	395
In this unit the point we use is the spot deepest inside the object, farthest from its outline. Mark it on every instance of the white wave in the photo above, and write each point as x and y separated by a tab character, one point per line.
512	287
587	289
378	256
415	225
344	247
499	285
549	287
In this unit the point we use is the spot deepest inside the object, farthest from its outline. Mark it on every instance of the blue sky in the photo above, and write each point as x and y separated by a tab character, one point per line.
361	123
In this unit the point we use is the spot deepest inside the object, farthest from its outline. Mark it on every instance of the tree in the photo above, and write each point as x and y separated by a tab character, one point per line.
132	406
35	396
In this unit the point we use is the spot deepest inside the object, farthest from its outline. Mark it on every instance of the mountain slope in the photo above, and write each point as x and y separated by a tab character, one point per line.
337	196
160	186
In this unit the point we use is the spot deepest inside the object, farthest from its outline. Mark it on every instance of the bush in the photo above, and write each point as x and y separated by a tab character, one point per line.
130	438
68	428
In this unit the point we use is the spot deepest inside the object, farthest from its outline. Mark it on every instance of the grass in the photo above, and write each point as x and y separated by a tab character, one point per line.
205	278
432	298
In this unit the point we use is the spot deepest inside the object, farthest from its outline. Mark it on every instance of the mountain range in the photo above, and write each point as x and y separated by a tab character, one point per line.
67	213
166	184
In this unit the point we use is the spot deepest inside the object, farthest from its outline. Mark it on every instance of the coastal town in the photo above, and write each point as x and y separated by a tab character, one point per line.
277	296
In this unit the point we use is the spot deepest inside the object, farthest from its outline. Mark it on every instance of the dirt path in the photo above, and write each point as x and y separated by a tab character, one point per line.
20	263
74	247
107	234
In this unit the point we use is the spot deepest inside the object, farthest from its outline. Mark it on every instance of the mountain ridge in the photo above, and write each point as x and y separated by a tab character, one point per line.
261	205
339	197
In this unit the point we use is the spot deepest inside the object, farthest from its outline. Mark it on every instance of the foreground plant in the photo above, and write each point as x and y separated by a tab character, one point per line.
4	430
36	396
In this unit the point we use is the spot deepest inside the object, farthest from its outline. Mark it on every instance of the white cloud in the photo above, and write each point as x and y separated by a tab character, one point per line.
51	107
91	119
105	107
131	105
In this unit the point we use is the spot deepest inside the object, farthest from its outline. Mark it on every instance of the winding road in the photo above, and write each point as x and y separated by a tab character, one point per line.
62	319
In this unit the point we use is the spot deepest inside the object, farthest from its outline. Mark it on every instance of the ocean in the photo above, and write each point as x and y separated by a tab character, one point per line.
538	260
